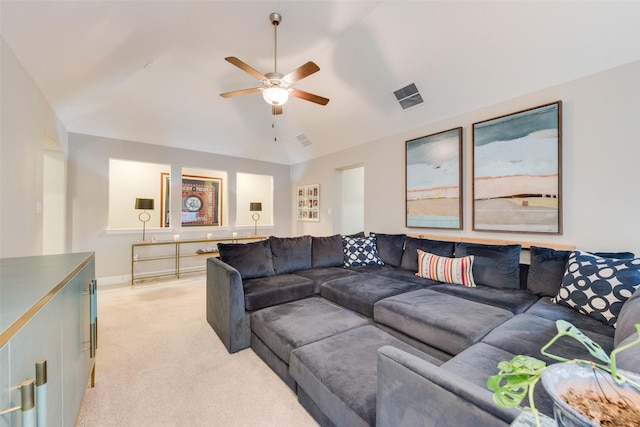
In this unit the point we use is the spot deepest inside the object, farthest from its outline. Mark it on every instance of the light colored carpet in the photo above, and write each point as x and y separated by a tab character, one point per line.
159	363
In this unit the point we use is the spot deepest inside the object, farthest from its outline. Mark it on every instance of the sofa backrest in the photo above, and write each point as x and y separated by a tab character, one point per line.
327	251
628	359
412	244
252	260
496	266
290	253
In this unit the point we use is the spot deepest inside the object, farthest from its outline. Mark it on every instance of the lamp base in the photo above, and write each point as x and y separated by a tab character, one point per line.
256	217
141	217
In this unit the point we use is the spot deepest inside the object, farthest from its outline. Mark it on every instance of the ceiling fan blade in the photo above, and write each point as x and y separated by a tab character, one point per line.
309	96
240	92
244	67
301	72
276	109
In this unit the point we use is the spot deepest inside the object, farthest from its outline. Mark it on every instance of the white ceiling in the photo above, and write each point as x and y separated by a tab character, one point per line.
152	71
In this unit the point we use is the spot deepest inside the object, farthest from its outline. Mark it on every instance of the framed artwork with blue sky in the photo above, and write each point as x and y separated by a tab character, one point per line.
517	172
434	180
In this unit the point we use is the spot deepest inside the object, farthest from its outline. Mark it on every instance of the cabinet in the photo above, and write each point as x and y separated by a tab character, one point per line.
45	313
171	258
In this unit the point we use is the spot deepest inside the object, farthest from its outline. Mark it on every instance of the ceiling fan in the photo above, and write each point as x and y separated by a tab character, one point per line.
276	87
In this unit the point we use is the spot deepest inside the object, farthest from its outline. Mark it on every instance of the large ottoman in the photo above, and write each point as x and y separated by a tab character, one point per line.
360	292
445	322
337	376
276	331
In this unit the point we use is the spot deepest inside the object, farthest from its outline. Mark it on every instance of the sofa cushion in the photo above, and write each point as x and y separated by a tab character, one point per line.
527	334
598	287
546	270
360	292
435	318
250	259
412	244
446	270
360	251
407	276
327	251
548	310
390	247
340	373
267	291
513	300
629	316
321	275
374	269
290	253
287	326
497	266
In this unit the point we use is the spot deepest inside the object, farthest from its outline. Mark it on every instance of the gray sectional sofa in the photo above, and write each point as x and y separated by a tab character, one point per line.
375	344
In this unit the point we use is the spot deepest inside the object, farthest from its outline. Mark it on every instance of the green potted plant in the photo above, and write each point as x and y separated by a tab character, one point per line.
518	377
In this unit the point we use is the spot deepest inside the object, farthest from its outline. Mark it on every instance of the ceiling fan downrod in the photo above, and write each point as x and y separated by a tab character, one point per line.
275	19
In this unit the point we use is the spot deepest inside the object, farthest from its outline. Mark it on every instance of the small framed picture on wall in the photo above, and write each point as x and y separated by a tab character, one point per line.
308	203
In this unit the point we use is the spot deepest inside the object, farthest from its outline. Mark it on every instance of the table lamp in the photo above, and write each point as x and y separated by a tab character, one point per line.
144	204
255	207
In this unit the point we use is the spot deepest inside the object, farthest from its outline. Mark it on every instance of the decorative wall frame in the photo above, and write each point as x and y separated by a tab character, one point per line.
201	201
308	203
517	171
165	197
433	180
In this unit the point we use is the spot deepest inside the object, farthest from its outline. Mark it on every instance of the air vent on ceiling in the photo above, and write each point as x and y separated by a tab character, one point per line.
303	139
408	96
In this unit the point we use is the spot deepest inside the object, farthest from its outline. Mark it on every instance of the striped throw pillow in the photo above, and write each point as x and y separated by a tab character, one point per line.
446	270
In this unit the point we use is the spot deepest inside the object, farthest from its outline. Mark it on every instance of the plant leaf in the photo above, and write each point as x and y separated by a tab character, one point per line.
566	328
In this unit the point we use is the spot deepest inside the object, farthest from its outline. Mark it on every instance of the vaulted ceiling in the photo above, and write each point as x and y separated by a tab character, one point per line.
152	71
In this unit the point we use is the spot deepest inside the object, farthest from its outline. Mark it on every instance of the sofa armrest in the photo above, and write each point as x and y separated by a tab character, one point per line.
414	392
225	305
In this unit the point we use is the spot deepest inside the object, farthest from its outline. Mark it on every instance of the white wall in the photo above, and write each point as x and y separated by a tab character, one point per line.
88	191
127	181
28	124
254	188
601	158
352	209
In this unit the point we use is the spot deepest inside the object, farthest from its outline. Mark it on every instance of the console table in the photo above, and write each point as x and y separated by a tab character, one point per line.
169	257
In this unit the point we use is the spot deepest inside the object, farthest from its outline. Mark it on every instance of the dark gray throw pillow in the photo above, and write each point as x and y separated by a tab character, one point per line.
390	247
250	259
497	266
412	244
291	253
327	251
546	270
615	255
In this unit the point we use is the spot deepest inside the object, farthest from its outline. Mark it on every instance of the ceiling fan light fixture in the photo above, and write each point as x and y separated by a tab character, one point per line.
275	95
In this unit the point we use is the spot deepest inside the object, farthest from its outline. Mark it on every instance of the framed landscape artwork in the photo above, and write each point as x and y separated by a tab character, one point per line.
434	180
201	200
517	172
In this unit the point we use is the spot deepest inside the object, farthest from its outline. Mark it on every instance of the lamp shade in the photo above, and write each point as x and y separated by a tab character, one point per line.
255	206
146	204
275	95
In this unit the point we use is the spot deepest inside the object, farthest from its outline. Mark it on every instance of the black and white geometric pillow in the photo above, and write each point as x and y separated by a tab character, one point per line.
598	287
360	251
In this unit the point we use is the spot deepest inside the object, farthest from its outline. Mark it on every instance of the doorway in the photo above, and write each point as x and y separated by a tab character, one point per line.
53	198
350	199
